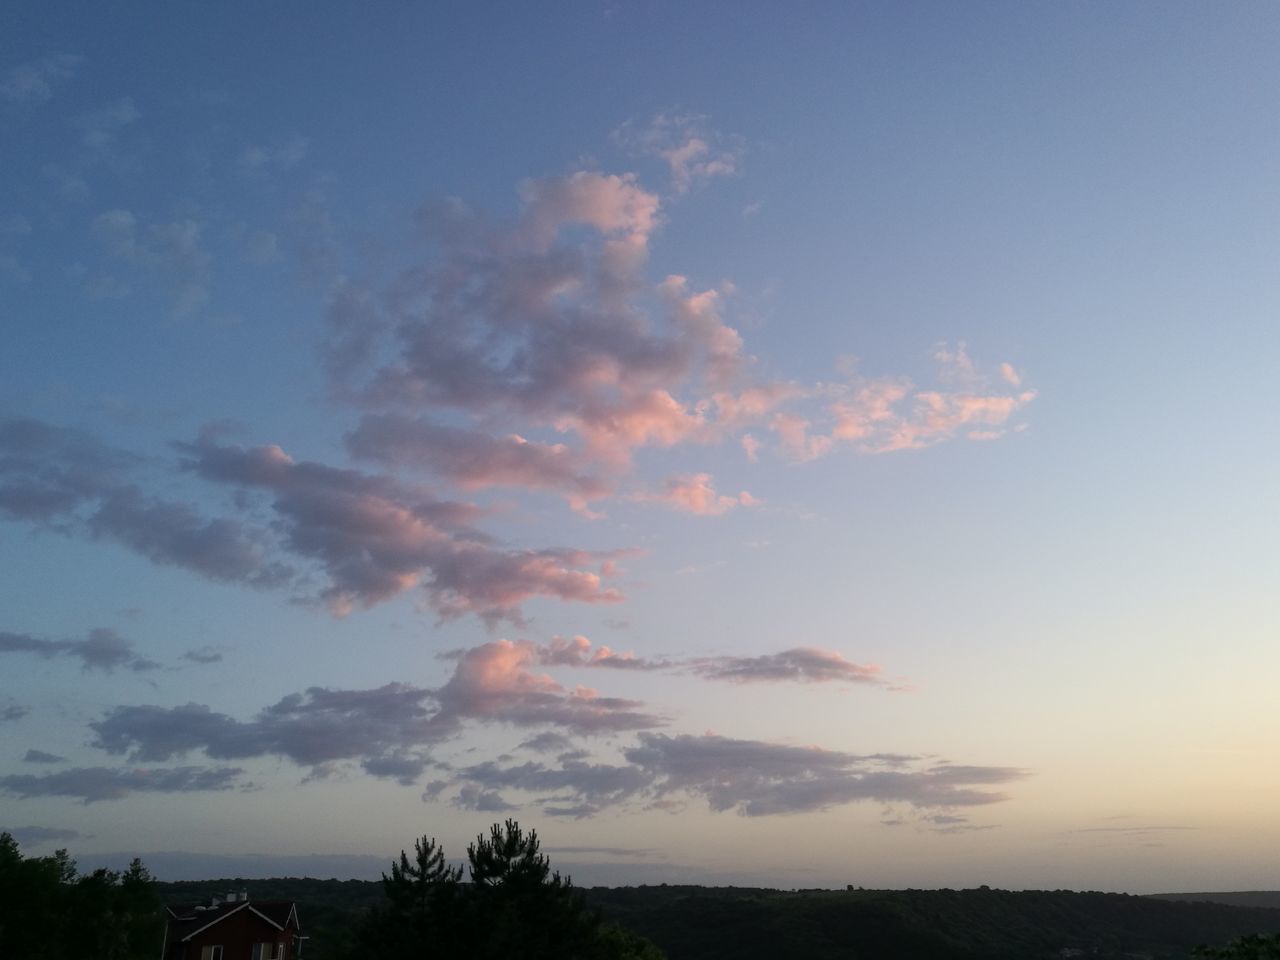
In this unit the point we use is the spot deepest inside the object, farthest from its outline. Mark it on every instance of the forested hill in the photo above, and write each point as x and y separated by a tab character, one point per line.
709	923
1241	898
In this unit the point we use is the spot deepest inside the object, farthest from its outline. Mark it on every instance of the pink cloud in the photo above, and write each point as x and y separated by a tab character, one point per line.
614	205
475	460
939	416
696	494
576	651
375	539
753	403
891	414
870	408
495	682
692	152
799	665
797	442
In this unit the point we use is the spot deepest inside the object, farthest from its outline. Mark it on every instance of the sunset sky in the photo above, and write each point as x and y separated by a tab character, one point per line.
749	444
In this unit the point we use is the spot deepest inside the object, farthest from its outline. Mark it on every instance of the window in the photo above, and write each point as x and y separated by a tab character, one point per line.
267	951
211	953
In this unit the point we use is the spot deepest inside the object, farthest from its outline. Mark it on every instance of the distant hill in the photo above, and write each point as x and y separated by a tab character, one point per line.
1264	899
744	923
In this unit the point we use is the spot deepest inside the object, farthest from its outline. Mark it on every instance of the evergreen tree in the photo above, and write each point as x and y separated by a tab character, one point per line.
50	912
514	908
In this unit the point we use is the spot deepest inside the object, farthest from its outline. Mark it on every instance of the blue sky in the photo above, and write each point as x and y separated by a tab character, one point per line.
701	432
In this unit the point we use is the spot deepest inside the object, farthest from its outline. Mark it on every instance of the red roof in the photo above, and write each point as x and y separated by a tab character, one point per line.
188	919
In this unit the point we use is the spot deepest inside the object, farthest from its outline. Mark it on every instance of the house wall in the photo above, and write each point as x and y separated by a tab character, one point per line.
237	934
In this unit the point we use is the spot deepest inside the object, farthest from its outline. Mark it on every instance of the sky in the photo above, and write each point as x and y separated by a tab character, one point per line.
747	445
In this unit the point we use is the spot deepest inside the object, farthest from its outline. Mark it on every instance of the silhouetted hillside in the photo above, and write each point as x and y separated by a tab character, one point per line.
1260	899
719	923
697	923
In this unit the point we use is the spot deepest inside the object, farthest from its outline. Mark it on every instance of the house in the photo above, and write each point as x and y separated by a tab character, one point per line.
233	928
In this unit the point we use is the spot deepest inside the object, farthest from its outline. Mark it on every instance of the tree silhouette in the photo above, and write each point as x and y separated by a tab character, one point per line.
510	859
49	912
514	908
1254	947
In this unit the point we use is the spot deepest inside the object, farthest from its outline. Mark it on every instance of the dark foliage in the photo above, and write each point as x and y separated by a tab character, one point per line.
1254	947
980	924
702	923
48	912
514	908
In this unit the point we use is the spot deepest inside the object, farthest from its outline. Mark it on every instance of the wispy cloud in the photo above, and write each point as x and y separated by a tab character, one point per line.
756	778
279	156
753	778
93	784
692	151
100	128
173	252
10	711
695	494
389	731
37	80
30	836
103	649
39	756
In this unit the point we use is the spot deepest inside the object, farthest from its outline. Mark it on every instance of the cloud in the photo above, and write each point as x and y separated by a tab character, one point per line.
574	789
66	481
372	537
389	730
888	414
12	269
10	712
628	852
546	320
174	533
576	652
494	682
203	655
799	665
173	252
386	728
547	742
691	151
39	756
375	539
793	433
46	471
100	128
31	836
695	494
755	778
36	81
750	777
393	732
103	649
278	157
474	460
92	784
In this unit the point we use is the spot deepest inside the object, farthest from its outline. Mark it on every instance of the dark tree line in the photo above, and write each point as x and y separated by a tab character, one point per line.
513	908
1254	947
48	911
